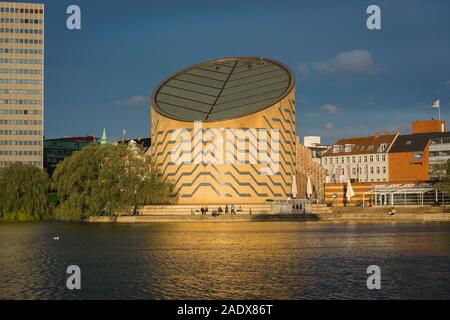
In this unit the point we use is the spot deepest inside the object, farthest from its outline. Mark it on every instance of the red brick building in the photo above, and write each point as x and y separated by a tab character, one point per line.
424	126
409	158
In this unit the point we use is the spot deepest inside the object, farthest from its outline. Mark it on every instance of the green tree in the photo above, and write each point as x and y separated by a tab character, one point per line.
24	193
442	173
108	180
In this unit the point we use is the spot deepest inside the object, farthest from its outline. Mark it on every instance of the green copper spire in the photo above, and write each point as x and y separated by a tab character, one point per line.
104	138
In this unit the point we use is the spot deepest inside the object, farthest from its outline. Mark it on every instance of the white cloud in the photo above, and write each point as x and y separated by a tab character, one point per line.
329	126
329	108
303	68
358	62
135	101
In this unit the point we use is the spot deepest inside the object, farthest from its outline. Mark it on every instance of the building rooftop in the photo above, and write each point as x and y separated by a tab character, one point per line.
223	89
415	142
73	139
361	145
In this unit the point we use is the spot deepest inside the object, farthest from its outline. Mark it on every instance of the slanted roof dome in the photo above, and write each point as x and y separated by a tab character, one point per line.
223	89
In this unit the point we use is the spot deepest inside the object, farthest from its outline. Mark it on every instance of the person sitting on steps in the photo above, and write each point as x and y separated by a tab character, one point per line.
392	212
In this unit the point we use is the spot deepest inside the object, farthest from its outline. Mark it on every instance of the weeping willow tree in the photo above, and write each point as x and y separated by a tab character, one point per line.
107	180
23	193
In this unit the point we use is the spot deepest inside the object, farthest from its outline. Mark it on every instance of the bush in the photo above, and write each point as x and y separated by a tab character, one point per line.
24	193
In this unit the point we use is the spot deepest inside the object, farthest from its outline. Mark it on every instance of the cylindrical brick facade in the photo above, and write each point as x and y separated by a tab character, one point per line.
241	150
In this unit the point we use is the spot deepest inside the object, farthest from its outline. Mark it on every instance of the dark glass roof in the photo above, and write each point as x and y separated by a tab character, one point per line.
223	89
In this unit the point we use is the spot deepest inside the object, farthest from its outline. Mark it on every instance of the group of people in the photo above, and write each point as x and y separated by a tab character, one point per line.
215	213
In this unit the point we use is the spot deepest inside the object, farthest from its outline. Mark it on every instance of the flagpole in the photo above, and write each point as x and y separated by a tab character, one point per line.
437	104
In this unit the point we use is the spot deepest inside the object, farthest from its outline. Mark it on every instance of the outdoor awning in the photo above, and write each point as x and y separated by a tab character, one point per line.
412	188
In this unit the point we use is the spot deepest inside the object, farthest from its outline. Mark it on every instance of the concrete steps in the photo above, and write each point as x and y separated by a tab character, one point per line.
200	218
321	209
195	209
373	216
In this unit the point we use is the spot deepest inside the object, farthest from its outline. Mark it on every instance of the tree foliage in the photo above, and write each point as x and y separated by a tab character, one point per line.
23	193
442	173
108	180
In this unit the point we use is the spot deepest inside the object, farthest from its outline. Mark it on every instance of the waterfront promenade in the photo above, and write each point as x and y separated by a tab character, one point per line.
270	212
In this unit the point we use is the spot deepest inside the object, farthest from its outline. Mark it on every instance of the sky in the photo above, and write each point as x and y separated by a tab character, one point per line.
351	81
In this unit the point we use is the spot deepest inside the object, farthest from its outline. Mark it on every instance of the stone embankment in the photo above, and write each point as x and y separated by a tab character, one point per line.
381	214
273	212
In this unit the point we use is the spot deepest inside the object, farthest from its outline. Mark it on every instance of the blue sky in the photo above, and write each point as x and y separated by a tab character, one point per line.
350	80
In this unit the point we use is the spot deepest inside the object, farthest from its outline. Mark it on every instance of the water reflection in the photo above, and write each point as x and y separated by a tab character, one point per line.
241	260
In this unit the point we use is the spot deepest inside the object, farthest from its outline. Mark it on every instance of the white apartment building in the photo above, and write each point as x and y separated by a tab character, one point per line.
360	159
314	144
439	151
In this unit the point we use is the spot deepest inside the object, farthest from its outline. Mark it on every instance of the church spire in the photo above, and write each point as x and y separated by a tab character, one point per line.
104	139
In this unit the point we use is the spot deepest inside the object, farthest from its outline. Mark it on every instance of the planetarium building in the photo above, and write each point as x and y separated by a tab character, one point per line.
224	131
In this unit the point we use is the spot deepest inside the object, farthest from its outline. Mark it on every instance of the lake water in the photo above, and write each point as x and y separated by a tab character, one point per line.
238	260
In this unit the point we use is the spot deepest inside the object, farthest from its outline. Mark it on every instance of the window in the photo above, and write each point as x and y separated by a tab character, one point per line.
371	158
325	160
353	159
378	158
348	159
371	170
353	171
359	159
365	158
383	157
378	170
384	170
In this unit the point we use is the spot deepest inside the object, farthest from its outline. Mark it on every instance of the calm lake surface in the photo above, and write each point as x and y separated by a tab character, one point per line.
238	260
